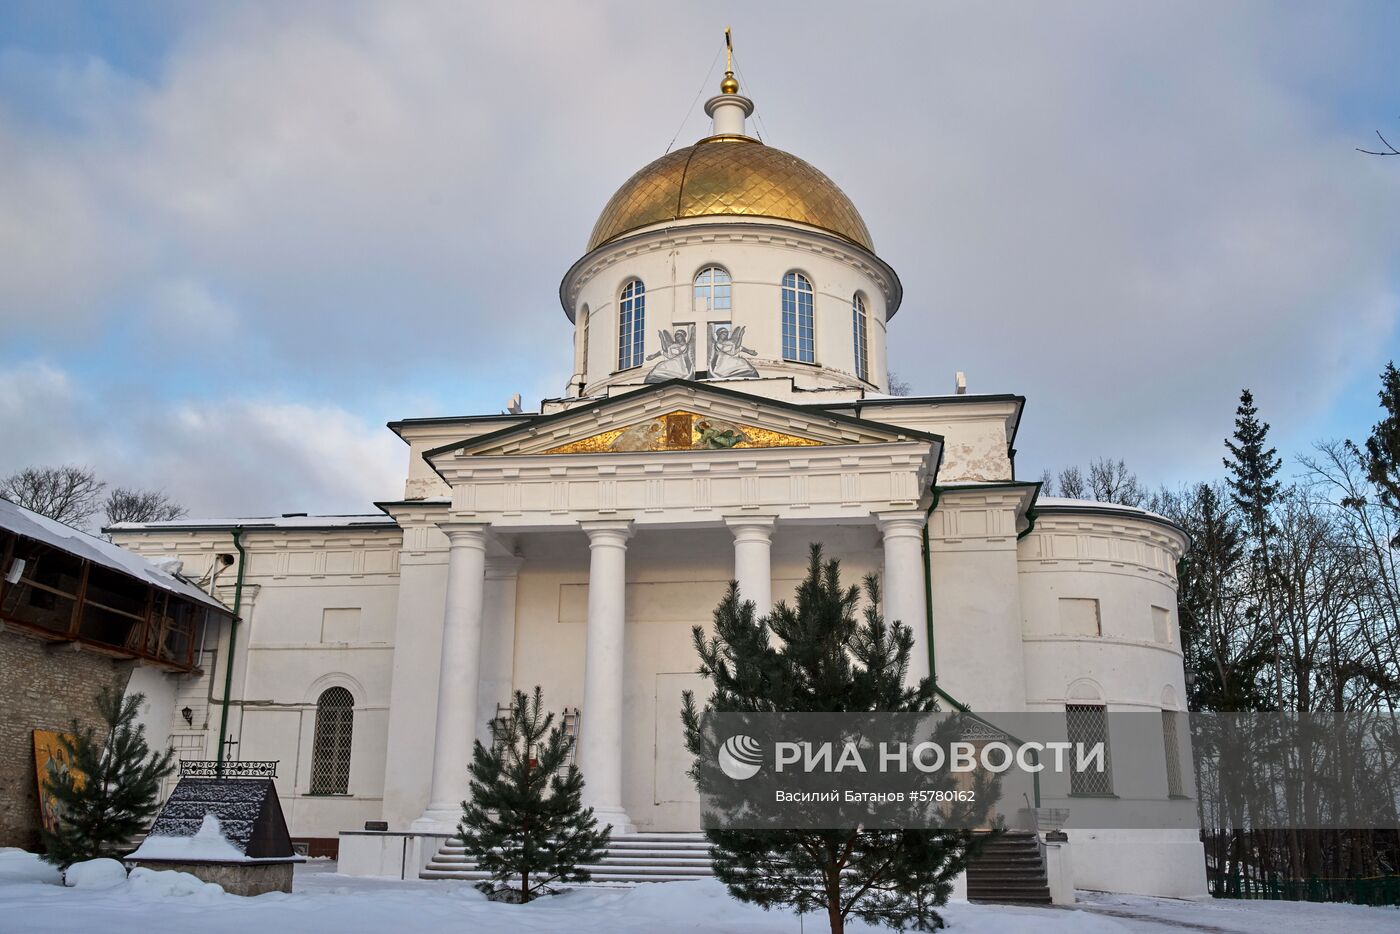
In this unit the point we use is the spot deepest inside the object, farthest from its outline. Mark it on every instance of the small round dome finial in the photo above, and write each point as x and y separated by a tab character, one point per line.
730	84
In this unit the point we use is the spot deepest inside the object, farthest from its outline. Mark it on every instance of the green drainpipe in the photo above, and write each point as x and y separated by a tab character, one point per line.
232	641
928	587
928	612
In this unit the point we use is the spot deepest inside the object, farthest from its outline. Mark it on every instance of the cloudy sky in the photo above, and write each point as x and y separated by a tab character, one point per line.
237	239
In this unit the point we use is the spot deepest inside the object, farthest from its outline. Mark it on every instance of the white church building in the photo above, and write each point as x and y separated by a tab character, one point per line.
729	406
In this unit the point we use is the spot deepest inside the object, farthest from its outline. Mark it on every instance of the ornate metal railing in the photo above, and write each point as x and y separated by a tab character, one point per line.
210	768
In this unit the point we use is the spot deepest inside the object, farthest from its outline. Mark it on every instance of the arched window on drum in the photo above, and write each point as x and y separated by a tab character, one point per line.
632	325
712	291
799	336
860	331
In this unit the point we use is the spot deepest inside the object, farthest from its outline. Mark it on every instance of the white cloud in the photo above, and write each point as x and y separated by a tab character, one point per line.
230	455
1121	212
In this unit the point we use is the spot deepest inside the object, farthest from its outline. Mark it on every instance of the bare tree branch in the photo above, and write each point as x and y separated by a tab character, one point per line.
67	494
124	505
1390	150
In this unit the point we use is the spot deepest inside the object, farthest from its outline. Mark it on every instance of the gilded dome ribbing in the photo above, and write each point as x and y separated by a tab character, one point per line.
729	176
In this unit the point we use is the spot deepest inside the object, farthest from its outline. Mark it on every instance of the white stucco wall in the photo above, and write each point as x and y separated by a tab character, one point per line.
289	652
1127	566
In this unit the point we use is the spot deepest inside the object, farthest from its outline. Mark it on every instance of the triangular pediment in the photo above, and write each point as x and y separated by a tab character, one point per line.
680	416
682	431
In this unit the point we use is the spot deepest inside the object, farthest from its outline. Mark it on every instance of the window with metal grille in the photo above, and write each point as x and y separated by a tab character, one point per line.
799	344
860	328
632	325
1172	745
330	753
712	290
1087	725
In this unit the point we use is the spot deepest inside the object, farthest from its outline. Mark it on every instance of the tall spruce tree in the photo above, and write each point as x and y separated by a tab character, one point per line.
1382	457
1225	673
525	822
1253	467
106	791
818	656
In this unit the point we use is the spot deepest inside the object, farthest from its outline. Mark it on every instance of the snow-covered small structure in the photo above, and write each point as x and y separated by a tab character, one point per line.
225	830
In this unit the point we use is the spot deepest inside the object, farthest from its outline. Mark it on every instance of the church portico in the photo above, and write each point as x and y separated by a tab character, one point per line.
618	684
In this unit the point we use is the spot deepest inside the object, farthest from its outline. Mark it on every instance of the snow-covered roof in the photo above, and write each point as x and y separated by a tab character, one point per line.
207	844
1093	505
30	524
286	521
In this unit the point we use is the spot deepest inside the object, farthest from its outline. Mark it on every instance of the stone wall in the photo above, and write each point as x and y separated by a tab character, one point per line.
236	878
41	687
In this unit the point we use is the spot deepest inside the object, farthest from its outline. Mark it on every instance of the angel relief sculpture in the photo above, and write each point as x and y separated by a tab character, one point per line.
726	353
677	355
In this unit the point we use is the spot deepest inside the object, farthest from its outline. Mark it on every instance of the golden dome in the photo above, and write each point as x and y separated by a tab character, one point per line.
730	84
726	176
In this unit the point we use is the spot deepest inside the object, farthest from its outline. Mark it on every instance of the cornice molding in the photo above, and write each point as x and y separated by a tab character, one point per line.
1120	525
687	488
676	234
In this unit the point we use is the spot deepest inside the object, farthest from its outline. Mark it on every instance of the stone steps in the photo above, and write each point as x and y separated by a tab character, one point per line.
1009	871
628	860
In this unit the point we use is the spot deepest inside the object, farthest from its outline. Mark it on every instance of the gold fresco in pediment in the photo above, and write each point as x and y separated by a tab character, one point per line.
682	431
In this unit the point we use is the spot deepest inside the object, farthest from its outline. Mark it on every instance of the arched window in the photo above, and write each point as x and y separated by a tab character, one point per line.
860	329
798	342
632	325
712	289
330	752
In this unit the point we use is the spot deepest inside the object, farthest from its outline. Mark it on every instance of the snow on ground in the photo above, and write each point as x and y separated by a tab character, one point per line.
18	866
1235	916
95	874
32	899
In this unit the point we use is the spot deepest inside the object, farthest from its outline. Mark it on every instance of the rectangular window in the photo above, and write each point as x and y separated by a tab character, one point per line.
1080	617
340	624
1087	726
1171	744
1162	625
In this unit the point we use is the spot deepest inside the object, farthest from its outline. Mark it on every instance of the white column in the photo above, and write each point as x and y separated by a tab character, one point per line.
903	582
459	673
600	733
753	561
497	640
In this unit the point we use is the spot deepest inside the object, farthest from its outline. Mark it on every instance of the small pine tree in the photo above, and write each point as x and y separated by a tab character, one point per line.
526	823
827	659
106	794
